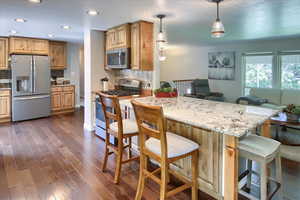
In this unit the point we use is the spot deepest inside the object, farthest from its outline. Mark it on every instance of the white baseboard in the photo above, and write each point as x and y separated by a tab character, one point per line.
88	127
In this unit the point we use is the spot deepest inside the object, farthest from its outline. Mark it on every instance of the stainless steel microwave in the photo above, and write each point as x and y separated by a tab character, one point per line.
118	58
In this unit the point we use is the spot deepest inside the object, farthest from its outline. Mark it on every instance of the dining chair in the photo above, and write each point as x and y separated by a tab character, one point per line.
164	147
122	129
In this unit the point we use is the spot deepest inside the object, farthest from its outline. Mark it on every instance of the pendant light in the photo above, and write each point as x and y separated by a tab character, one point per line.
217	30
161	40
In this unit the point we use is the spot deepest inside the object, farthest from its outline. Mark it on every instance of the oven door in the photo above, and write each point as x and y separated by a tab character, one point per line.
100	129
118	59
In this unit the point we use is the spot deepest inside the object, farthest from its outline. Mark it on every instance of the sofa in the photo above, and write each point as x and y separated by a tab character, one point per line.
271	98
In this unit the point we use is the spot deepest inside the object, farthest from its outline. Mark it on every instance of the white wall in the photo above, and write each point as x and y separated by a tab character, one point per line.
73	70
93	72
186	61
81	66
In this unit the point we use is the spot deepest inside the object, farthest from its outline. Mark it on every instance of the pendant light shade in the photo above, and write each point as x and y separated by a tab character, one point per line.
161	40
218	29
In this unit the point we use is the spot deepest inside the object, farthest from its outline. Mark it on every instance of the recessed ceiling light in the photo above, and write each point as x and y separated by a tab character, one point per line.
21	20
93	12
66	27
13	31
50	35
35	1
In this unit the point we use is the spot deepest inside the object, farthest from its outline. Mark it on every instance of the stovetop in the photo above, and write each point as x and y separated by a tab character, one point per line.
121	93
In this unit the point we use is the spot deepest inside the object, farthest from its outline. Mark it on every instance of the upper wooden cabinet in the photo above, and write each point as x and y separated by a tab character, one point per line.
118	37
142	46
3	53
39	46
58	55
20	45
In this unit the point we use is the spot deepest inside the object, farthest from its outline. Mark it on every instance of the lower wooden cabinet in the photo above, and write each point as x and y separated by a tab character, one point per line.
5	105
62	99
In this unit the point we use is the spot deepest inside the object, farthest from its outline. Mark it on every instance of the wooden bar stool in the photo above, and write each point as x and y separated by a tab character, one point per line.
262	150
165	148
121	129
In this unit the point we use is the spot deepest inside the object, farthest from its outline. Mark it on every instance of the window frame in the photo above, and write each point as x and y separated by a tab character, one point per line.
244	55
276	67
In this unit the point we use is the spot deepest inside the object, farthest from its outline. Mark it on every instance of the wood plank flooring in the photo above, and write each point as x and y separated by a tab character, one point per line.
55	159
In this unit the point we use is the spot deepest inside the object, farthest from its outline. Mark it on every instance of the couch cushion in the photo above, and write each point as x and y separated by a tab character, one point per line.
290	97
273	95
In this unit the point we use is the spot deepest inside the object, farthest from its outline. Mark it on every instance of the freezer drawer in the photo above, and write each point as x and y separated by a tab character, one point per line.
30	107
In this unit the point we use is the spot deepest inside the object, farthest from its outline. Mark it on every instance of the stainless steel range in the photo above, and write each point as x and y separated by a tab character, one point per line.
126	88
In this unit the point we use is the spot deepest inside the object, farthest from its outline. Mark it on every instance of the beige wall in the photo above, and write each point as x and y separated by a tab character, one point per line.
187	61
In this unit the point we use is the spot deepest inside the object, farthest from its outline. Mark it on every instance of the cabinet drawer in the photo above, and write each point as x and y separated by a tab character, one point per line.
5	93
68	88
56	89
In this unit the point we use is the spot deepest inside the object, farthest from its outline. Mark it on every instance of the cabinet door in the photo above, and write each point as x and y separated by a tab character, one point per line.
109	40
40	47
122	37
4	106
56	101
20	46
58	55
68	100
135	46
3	53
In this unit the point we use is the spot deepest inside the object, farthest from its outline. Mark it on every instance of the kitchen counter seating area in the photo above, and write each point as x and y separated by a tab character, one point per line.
217	127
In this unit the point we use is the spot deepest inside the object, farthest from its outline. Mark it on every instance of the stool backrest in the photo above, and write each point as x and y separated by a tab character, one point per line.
151	123
112	111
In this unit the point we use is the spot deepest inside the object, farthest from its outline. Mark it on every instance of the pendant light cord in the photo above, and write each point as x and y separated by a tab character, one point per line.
218	17
160	27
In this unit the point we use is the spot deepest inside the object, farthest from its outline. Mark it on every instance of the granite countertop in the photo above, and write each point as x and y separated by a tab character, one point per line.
223	118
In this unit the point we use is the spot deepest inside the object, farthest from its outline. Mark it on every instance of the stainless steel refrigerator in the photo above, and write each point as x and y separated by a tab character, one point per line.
30	87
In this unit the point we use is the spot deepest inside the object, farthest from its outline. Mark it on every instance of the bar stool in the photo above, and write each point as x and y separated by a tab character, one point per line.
121	129
165	148
262	150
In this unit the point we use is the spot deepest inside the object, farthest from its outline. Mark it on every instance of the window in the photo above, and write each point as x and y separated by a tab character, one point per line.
258	72
290	71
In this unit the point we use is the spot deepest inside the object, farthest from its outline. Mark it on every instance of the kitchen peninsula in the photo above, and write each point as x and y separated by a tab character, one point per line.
217	127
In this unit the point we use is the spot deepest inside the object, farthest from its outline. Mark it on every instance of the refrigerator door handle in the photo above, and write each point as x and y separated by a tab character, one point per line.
31	97
31	74
34	75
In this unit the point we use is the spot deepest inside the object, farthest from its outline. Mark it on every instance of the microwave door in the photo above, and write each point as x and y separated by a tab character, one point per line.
22	75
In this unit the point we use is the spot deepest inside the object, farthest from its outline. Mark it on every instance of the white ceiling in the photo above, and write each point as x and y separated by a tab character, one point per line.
189	20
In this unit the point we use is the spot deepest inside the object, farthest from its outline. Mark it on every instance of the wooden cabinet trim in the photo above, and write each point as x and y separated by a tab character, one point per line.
23	45
62	99
5	105
142	46
4	53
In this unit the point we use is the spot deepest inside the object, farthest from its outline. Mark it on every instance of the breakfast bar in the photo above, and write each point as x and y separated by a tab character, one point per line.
217	127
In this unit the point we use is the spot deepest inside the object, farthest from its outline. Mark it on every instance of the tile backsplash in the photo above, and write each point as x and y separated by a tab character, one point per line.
5	74
145	76
57	73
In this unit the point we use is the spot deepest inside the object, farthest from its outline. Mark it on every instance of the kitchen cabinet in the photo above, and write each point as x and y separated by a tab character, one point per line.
5	105
21	45
40	47
3	53
118	37
62	99
142	46
58	55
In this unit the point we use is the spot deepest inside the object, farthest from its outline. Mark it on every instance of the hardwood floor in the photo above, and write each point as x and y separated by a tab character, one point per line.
55	159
